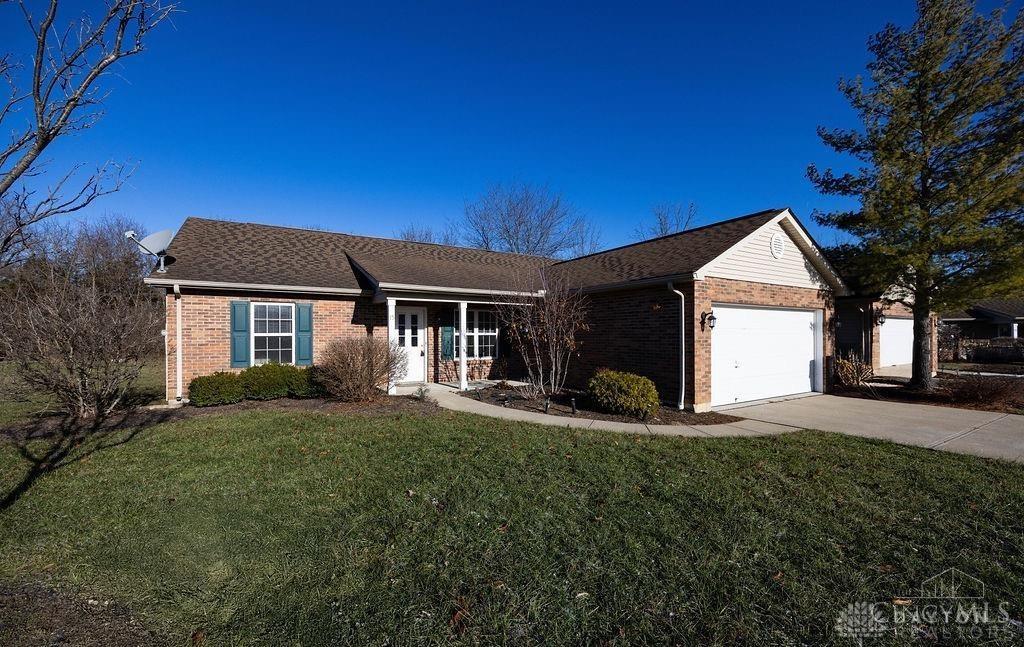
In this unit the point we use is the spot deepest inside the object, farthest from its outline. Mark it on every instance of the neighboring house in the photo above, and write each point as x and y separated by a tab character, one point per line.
730	312
989	319
879	332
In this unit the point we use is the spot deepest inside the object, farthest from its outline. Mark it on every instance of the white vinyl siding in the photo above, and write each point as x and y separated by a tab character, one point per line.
752	260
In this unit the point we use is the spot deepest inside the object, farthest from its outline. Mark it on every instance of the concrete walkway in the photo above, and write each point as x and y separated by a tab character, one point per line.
449	398
982	433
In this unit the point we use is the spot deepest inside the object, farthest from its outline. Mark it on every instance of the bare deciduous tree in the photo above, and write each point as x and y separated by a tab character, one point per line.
60	94
426	234
528	219
544	331
76	320
669	218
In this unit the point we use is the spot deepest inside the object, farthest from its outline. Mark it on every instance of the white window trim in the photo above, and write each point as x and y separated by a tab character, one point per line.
472	337
253	333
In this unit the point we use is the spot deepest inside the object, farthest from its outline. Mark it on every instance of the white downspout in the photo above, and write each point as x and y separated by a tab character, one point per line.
178	363
682	346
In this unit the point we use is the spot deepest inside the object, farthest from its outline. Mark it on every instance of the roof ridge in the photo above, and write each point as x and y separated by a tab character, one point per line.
674	234
341	233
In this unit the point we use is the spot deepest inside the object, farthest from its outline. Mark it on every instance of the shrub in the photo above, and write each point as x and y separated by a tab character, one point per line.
982	389
214	389
272	381
302	383
624	393
852	371
357	369
265	382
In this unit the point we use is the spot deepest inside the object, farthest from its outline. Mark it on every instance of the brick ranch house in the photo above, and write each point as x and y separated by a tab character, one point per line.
735	311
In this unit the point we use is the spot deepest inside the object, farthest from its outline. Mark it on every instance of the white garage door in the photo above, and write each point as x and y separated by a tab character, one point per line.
761	353
896	342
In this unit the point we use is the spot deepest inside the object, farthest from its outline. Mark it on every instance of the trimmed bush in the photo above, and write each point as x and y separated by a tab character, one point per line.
273	381
623	393
214	389
302	383
266	381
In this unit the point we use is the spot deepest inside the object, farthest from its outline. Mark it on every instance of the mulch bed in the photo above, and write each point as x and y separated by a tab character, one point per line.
982	393
562	406
142	417
36	614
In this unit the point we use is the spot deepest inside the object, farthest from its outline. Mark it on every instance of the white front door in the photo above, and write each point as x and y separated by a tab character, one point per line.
412	338
896	342
759	353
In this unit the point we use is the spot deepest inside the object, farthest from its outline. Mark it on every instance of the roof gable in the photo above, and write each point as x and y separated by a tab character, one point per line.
676	255
754	258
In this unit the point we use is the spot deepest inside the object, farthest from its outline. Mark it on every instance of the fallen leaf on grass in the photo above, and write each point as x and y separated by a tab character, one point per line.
777	577
460	619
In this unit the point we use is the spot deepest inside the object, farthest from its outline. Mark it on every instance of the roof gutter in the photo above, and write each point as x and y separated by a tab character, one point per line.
660	280
447	290
254	287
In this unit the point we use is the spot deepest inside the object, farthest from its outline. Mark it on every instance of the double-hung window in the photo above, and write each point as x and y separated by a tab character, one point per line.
272	333
481	334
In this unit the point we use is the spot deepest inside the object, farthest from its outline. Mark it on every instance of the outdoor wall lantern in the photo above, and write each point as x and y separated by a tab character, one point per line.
708	318
880	319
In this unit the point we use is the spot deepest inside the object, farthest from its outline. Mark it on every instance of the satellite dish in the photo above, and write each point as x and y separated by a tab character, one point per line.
154	244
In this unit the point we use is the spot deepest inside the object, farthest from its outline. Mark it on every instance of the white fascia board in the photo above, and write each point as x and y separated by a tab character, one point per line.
817	258
253	287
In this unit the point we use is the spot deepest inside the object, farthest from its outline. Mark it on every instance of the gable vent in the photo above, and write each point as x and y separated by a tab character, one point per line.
778	245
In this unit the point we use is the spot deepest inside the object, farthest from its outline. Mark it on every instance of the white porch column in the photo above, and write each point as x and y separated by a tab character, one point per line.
463	377
1014	330
392	338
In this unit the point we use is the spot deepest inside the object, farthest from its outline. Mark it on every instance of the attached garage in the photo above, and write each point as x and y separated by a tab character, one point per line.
896	342
759	353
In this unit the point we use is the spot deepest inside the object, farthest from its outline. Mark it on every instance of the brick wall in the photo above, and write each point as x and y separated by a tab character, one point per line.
206	328
206	339
631	330
716	290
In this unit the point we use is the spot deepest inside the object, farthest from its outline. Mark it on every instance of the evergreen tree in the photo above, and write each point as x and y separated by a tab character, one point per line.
940	163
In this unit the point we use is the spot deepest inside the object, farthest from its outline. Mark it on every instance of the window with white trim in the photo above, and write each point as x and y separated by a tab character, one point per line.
272	333
481	334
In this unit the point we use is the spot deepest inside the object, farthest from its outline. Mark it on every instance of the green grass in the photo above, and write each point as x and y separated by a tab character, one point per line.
18	404
302	528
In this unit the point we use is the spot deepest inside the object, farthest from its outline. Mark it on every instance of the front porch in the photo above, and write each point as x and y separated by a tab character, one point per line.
449	341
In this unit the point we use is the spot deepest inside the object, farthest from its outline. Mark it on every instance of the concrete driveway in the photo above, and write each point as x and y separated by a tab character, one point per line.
983	433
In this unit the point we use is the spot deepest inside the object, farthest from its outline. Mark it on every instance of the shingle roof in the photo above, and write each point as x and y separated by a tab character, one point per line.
672	255
245	253
235	252
989	309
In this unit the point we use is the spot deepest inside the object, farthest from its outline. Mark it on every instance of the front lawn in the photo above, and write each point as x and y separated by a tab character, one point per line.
19	403
299	527
1010	368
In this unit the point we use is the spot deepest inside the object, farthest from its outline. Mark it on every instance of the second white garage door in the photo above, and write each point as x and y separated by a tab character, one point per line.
759	353
896	342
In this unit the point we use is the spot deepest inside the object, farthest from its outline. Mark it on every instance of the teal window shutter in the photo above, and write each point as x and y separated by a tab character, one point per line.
239	334
447	336
303	334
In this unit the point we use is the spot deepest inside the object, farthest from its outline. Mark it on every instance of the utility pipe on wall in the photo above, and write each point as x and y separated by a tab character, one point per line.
178	363
682	346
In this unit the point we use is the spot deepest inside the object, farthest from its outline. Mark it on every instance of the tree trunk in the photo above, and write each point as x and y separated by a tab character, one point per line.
921	377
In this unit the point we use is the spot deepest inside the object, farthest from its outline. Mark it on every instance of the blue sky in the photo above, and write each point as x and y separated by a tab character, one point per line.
363	117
